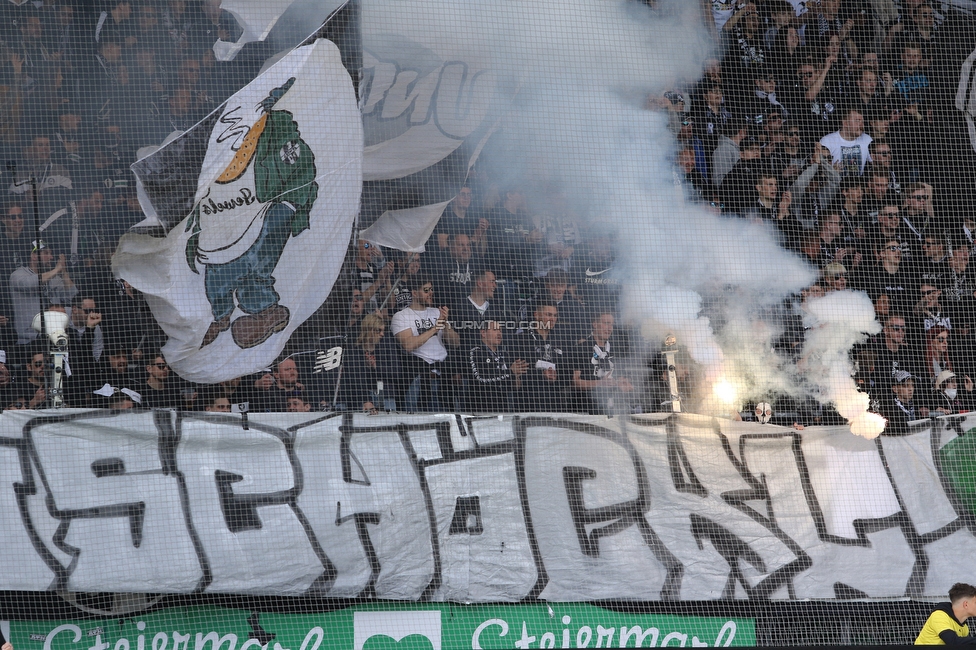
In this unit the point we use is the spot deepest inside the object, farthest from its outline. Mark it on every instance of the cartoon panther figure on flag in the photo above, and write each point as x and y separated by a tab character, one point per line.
274	168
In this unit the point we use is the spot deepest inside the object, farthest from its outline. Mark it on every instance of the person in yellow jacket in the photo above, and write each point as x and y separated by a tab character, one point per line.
947	624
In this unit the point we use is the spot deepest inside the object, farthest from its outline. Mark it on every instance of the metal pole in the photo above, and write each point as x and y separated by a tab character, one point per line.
396	284
53	401
41	297
670	346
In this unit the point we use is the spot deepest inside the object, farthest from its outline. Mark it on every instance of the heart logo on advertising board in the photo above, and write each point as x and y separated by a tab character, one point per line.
403	630
409	642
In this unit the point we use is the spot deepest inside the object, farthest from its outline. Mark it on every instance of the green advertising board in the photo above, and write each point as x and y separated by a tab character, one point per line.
387	626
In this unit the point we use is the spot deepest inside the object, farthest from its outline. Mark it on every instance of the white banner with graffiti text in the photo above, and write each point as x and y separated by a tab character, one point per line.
486	509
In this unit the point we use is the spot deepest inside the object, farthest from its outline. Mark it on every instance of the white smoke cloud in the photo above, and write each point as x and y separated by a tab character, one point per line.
838	321
579	72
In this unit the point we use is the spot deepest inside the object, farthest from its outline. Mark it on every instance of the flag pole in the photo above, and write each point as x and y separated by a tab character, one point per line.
55	353
12	168
345	316
396	283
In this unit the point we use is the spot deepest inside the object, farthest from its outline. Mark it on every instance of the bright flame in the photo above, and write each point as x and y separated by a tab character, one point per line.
724	391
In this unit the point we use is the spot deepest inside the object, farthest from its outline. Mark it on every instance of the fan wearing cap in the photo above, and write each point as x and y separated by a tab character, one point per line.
899	407
789	158
25	283
87	343
947	399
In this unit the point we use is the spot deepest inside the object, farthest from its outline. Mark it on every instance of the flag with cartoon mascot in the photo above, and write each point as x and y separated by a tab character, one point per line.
232	270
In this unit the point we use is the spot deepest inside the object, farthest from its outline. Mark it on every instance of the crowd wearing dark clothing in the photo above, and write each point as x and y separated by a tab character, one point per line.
831	122
83	86
835	121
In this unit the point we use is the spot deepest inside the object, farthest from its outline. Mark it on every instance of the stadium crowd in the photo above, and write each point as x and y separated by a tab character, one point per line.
828	119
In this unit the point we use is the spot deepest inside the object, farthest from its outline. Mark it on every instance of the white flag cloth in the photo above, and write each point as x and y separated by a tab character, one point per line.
430	101
257	19
966	96
405	230
424	95
277	192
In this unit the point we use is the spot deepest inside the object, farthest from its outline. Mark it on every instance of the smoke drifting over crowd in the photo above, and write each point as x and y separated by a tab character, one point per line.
573	132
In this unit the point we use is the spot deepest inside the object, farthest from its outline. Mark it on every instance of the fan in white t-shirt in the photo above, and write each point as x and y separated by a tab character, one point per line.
849	146
422	329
